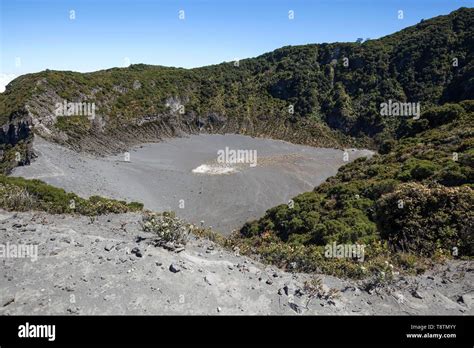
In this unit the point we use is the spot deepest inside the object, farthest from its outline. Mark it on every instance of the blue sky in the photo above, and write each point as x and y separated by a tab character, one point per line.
39	34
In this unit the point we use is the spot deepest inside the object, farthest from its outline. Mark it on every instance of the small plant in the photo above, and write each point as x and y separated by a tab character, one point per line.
382	276
15	198
167	227
209	234
314	288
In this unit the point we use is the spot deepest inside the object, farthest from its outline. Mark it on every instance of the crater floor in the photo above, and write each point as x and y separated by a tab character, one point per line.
186	176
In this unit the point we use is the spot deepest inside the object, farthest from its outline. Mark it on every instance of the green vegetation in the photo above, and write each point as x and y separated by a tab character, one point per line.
13	156
65	123
409	204
21	195
430	219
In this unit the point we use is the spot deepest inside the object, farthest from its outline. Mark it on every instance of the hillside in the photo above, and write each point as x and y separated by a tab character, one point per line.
411	204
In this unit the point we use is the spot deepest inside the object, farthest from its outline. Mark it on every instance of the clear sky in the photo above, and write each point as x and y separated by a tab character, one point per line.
40	34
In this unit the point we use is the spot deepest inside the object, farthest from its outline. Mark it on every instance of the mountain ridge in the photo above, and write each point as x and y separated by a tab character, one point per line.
333	105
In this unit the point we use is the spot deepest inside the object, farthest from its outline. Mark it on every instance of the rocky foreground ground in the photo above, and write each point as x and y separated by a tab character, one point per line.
108	265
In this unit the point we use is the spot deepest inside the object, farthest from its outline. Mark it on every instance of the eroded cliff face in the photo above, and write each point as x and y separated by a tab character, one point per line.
17	129
12	133
106	133
15	142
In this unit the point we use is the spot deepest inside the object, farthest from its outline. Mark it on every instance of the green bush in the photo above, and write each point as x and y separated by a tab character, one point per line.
423	170
421	219
21	194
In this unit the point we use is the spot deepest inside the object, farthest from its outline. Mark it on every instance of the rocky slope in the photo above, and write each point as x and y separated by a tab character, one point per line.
108	265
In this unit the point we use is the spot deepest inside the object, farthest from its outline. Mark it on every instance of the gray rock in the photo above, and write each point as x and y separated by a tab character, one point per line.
137	252
67	240
295	307
299	292
174	268
468	299
210	279
169	246
8	302
109	247
289	289
416	294
74	310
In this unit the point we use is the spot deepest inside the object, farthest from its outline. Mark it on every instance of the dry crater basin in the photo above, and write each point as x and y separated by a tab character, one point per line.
186	175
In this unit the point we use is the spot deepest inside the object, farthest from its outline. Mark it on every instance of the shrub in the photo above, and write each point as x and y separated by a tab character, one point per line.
422	170
387	146
167	227
429	219
15	198
439	115
417	169
21	194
